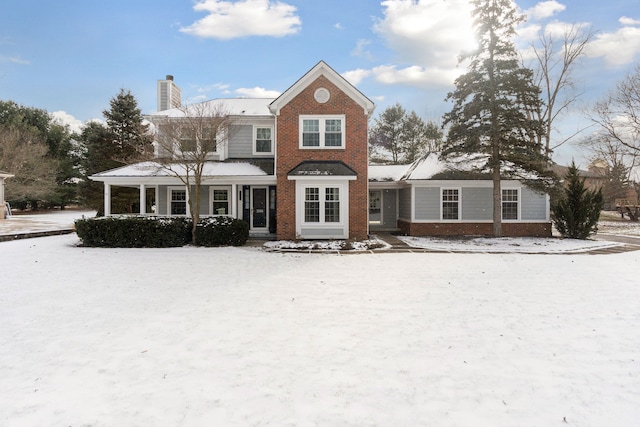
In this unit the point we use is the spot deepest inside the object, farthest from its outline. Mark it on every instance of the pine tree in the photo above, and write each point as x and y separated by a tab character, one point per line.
490	124
575	214
122	141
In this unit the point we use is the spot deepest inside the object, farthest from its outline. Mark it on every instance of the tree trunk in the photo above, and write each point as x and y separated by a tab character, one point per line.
497	202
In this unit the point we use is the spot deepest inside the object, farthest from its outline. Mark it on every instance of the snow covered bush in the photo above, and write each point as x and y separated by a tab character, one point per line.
222	231
159	232
134	232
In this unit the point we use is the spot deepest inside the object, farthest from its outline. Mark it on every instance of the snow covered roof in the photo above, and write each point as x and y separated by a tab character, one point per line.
424	168
155	169
233	106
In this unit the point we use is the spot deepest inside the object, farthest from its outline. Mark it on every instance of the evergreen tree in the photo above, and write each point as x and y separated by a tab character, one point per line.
387	131
575	214
405	135
130	138
491	124
122	141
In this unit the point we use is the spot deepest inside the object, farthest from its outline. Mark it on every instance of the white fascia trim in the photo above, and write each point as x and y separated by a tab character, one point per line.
322	178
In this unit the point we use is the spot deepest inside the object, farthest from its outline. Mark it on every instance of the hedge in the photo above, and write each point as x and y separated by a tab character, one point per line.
159	232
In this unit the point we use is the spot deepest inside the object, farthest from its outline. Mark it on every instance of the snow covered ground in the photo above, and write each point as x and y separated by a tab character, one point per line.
242	337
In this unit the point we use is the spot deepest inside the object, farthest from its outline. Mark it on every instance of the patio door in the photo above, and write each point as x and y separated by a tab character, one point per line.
259	208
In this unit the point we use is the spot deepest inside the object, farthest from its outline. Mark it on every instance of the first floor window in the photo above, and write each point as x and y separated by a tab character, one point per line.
311	205
332	204
178	202
220	201
450	203
321	204
510	203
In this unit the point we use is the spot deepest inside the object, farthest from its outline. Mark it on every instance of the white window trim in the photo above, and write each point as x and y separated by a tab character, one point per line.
518	189
255	141
442	189
230	199
322	119
180	188
343	224
220	138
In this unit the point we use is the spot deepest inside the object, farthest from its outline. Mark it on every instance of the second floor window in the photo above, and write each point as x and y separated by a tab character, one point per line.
322	132
263	141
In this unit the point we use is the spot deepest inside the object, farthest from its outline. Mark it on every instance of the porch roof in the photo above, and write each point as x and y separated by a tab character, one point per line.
322	168
155	169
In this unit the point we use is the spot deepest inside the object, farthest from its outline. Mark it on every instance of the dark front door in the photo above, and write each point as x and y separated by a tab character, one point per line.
259	210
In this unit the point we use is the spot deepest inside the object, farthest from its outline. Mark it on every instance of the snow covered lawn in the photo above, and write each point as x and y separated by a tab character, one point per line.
238	337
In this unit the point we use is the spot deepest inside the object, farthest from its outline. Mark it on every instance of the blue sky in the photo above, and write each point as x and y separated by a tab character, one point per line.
71	56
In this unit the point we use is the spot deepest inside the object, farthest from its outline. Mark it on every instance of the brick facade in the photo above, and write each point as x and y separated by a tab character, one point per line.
509	229
354	155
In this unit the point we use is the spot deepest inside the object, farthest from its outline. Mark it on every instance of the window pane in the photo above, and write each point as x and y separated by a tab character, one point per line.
178	202
510	204
332	205
450	204
263	140
311	133
333	133
312	205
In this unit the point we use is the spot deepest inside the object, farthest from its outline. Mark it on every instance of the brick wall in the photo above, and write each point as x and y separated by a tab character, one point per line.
289	155
509	229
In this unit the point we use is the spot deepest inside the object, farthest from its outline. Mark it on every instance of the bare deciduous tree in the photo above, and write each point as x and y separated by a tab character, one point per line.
618	115
187	143
555	58
24	154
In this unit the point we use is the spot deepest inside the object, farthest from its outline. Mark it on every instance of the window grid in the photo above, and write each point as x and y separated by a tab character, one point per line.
312	205
333	133
263	140
178	202
220	202
510	204
322	132
332	205
311	133
450	204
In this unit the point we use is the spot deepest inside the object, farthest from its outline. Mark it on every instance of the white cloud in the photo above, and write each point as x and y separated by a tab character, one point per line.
257	92
361	49
544	10
65	119
427	33
14	60
416	75
228	20
338	26
356	76
618	48
629	21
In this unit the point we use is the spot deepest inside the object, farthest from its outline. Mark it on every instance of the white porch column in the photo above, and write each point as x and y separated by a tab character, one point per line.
143	199
107	199
186	191
234	201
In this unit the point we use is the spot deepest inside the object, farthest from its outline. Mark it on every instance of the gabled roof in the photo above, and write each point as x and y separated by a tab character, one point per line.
322	69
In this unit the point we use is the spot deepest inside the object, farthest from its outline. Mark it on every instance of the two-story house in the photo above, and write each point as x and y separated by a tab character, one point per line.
297	167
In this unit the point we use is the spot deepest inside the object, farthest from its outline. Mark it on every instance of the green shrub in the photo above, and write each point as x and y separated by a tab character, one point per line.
134	232
576	213
222	231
